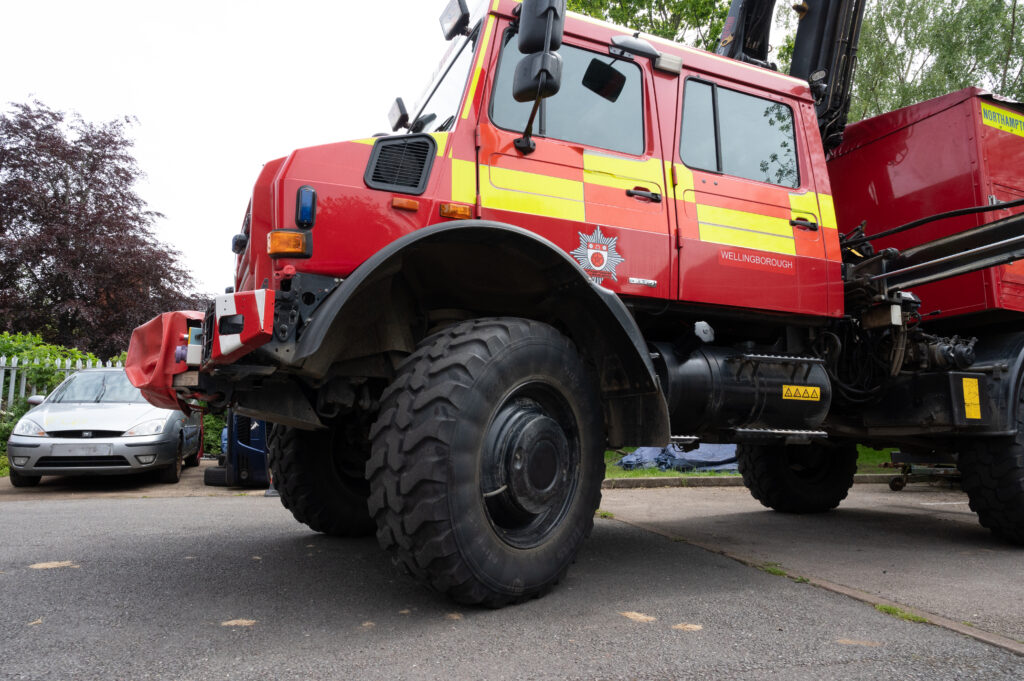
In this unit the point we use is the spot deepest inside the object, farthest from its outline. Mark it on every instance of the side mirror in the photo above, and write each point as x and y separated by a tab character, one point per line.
537	76
36	400
533	25
422	122
541	25
455	19
603	80
398	117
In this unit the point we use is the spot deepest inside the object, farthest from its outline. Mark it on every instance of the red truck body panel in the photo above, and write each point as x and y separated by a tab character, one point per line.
701	244
948	153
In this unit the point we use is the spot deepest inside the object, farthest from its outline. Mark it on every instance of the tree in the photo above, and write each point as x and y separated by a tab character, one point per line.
79	263
697	22
912	50
909	51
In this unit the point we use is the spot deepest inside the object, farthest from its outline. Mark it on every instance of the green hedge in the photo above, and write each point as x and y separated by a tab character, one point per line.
29	347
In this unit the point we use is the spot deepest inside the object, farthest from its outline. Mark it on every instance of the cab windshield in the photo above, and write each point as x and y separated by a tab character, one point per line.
439	105
100	386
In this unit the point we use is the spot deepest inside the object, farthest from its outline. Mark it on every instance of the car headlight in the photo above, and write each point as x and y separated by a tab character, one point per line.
153	427
27	426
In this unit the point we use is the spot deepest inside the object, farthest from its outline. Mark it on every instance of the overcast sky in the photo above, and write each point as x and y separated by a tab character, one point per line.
219	88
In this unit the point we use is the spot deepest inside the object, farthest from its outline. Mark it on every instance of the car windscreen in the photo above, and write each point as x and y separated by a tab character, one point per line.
101	386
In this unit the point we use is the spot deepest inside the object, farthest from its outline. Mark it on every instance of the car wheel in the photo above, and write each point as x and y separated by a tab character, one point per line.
486	464
21	480
192	459
172	473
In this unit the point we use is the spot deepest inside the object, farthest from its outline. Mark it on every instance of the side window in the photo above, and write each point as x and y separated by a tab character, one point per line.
576	113
738	134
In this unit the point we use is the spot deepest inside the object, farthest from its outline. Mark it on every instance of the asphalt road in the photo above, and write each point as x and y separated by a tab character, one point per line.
232	587
921	547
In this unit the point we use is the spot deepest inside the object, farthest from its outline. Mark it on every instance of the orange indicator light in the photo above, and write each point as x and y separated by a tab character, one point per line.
405	204
285	242
456	211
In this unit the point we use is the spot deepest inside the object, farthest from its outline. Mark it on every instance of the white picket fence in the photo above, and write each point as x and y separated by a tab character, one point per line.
14	375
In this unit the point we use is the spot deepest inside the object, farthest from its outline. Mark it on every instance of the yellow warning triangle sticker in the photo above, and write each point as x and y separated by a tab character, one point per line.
789	393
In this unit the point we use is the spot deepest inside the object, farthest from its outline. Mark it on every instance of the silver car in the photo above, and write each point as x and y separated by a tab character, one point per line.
97	423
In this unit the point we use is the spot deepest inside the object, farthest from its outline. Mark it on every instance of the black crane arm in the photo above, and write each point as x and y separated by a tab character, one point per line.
745	33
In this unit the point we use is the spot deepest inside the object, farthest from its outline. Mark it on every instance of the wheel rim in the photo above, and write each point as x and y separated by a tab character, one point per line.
530	465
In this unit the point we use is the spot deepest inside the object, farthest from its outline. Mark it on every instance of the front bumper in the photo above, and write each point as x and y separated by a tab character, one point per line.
92	456
168	352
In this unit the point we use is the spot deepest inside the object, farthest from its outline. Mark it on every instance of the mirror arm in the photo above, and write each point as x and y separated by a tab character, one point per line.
525	145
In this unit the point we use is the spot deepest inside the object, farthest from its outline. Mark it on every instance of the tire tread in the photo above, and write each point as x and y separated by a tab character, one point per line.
407	467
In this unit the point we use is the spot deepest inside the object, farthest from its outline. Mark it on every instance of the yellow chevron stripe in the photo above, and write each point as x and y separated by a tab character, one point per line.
804	205
751	222
621	173
718	234
479	66
828	211
532	194
442	141
463	181
684	177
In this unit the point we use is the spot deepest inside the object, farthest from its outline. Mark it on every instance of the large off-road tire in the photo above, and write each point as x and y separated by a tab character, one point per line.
486	464
19	480
798	478
993	477
320	476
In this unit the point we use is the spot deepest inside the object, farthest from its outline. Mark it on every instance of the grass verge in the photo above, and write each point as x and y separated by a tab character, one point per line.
902	614
871	460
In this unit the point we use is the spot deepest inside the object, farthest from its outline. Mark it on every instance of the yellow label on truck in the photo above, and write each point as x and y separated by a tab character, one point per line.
807	393
1003	119
972	401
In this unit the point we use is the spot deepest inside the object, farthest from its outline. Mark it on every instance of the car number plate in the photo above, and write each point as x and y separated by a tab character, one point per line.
81	450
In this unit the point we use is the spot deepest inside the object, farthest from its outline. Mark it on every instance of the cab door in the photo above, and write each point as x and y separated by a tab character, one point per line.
750	230
595	183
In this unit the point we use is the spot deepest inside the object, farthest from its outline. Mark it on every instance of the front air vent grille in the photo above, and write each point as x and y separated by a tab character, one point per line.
401	164
74	434
82	462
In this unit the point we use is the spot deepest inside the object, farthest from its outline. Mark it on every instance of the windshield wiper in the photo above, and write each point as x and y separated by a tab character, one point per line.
103	389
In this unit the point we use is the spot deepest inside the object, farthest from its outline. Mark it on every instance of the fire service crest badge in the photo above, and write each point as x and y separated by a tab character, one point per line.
597	254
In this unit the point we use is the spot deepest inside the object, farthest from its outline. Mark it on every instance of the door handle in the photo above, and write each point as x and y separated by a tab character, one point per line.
804	224
653	196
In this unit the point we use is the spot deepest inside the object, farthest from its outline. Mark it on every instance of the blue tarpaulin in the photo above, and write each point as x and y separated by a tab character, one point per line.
707	457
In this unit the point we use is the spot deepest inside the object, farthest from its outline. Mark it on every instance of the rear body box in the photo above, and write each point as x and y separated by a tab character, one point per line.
960	150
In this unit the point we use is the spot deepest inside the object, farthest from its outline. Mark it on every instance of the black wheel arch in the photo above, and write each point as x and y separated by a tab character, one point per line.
484	268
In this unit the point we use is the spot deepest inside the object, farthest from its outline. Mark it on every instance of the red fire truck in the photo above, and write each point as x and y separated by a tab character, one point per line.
583	238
